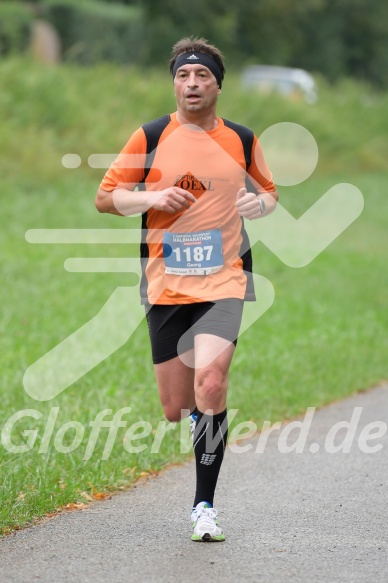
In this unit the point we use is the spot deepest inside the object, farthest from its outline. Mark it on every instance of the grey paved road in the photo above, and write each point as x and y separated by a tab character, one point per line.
289	517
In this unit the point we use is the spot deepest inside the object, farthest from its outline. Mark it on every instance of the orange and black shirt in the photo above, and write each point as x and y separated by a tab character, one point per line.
212	166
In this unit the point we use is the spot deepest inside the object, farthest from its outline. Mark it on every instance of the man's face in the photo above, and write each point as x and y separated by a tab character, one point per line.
196	89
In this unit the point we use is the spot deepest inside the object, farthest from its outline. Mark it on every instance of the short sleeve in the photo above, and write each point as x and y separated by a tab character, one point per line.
258	170
128	168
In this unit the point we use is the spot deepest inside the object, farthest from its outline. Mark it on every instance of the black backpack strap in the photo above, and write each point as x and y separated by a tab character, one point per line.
153	130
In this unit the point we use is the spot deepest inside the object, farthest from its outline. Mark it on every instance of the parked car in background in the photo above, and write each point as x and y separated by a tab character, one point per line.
292	83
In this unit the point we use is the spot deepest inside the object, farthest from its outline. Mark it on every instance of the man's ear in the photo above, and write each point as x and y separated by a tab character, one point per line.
219	90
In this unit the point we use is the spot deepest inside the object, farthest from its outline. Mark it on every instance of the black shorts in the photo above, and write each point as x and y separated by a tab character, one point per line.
167	324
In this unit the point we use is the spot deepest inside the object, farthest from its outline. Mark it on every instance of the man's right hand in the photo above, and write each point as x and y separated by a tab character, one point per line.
172	200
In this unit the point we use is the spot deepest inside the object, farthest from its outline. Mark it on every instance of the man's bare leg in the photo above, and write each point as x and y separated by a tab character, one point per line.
211	372
210	385
175	383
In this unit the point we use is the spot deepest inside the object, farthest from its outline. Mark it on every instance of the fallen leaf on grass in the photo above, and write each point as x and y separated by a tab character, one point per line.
148	474
86	495
74	506
100	496
96	495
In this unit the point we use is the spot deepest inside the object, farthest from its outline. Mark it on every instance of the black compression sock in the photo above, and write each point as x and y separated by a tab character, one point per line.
210	437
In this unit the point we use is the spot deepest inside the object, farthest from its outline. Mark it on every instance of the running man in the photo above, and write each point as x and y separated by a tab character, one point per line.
186	173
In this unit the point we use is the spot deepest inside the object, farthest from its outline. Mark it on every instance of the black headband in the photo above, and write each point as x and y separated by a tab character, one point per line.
194	58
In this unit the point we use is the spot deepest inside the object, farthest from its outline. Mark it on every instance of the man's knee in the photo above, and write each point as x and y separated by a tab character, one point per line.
173	414
210	385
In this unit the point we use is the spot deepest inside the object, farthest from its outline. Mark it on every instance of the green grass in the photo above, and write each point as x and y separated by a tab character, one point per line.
324	337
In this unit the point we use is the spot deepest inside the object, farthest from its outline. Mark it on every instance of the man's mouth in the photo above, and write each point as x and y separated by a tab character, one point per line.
193	96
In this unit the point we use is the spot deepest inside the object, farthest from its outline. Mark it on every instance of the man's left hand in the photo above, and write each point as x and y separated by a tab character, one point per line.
248	204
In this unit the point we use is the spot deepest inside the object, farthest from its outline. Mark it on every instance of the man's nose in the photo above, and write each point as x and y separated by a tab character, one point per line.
192	81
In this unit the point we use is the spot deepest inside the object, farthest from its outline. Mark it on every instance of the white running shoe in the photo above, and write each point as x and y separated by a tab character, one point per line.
205	524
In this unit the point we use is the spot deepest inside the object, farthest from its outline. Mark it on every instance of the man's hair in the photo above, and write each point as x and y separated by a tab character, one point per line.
198	45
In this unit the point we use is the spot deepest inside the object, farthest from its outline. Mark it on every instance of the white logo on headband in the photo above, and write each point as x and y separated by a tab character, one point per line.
192	57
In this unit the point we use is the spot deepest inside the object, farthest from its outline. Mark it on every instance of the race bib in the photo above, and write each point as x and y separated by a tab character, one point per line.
193	253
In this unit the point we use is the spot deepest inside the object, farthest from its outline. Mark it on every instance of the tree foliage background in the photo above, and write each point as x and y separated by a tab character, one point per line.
334	37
